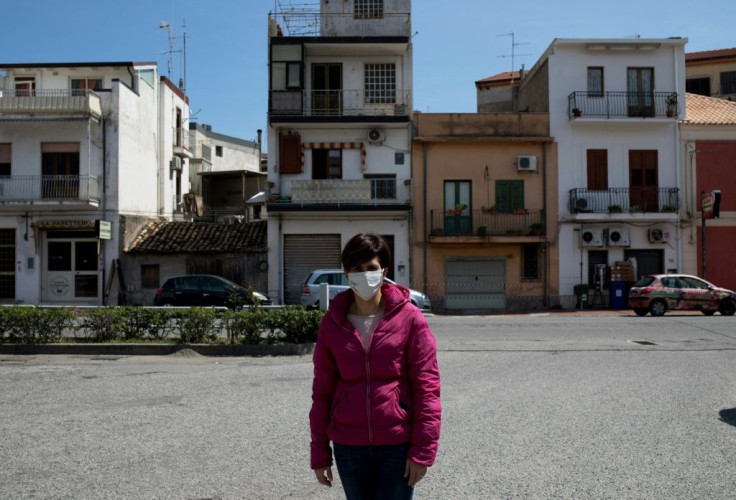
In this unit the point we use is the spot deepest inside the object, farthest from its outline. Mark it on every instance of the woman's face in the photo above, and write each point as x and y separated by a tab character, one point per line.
371	265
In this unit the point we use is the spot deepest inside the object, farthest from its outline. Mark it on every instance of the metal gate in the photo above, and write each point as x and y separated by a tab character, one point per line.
473	283
303	253
7	264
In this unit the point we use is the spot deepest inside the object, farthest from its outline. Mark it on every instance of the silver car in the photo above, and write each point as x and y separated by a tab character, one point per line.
338	282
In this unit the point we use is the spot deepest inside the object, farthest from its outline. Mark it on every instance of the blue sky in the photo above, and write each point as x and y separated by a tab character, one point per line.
458	42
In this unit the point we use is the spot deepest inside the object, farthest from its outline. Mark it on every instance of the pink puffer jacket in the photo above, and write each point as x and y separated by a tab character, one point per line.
389	395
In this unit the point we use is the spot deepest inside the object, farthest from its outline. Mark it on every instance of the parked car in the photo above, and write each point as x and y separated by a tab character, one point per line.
206	290
658	293
338	282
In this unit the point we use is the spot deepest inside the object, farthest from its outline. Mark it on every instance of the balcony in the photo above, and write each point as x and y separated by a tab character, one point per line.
45	189
622	105
338	103
485	223
49	102
625	200
181	143
381	193
318	24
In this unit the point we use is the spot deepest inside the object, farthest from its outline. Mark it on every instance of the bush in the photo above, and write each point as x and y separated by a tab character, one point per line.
31	325
245	327
142	322
293	324
103	324
196	325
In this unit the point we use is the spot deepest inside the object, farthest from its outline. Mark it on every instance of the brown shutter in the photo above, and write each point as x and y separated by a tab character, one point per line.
597	169
290	154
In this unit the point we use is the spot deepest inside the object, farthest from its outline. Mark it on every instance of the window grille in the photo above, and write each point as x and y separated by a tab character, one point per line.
380	83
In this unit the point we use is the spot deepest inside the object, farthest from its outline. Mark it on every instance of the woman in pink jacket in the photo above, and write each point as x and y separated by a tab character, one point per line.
376	389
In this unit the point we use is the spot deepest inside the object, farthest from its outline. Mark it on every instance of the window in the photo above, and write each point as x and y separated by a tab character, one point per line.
509	196
79	85
728	82
286	67
368	9
150	276
60	168
700	86
326	164
218	151
25	85
458	218
640	87
380	83
5	155
531	261
595	82
597	169
383	186
290	154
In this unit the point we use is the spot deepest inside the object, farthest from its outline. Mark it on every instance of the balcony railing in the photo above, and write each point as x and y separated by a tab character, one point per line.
485	223
379	191
629	200
340	103
315	23
50	102
34	188
622	104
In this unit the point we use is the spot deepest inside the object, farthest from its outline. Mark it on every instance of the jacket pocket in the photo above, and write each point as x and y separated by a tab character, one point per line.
336	402
403	407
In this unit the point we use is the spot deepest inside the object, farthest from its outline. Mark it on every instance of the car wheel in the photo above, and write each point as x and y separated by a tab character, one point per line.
708	312
657	308
727	307
641	311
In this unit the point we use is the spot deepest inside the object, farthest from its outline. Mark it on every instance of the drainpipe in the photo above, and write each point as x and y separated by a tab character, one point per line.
104	205
545	279
678	163
424	216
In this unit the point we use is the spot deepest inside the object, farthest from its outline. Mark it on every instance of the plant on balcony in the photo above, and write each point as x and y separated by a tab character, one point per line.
615	209
671	103
458	209
669	208
489	210
482	230
634	209
520	211
576	112
535	229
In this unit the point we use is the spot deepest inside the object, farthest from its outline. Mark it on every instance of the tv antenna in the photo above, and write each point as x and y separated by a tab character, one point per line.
172	36
513	55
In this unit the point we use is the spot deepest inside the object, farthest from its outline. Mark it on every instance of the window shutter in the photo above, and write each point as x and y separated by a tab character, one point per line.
290	154
597	169
509	196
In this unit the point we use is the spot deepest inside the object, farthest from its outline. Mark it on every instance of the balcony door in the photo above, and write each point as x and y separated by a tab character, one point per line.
457	208
25	86
326	164
640	86
326	88
643	181
60	170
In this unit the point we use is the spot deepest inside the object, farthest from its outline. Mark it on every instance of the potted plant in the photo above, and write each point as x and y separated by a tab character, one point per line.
490	210
482	230
576	112
536	228
520	211
671	103
459	207
615	209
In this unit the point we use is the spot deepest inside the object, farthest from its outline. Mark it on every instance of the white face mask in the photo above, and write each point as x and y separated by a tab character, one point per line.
366	284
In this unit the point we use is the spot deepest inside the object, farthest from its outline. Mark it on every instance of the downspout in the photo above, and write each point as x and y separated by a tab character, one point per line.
678	162
104	205
424	216
545	278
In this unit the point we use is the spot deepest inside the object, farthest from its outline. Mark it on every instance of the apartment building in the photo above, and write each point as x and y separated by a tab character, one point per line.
614	106
711	73
87	151
339	135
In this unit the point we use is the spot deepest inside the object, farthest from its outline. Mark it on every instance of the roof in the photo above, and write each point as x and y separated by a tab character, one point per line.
710	55
702	110
165	237
76	64
500	78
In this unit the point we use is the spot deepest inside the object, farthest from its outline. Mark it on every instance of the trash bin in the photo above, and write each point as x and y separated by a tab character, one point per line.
618	294
582	292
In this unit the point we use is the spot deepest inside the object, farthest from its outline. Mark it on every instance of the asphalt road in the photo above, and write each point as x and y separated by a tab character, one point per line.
558	406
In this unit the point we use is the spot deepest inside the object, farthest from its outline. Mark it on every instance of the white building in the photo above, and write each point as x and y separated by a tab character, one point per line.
82	143
339	136
613	106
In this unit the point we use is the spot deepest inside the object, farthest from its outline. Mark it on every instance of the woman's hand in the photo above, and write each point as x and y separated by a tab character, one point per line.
324	476
414	472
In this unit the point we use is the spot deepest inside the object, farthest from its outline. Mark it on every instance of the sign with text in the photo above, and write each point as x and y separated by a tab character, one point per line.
103	229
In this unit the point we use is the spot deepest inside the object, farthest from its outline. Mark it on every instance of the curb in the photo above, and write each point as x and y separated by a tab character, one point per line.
158	349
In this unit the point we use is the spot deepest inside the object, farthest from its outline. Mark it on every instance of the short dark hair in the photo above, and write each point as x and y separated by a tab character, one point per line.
364	247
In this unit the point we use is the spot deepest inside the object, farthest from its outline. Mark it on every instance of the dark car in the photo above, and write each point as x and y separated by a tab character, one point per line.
204	290
658	293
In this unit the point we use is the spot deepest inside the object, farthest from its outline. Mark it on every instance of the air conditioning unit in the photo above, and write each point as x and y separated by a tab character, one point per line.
618	237
592	237
581	205
376	136
658	235
526	163
175	163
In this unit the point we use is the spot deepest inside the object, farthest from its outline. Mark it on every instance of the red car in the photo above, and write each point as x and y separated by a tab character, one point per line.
658	293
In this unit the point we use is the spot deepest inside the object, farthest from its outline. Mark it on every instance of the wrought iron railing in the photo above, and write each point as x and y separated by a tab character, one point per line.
30	188
50	101
340	102
341	191
623	104
181	138
629	200
308	23
467	222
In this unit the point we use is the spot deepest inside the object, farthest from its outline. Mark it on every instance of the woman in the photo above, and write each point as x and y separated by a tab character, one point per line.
376	389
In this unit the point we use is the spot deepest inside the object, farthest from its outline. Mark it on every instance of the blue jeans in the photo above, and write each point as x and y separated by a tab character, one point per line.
373	472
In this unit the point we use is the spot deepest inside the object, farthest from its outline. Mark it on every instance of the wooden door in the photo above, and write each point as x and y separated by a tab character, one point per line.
643	181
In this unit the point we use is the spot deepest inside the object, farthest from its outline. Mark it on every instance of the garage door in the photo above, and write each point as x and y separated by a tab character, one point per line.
475	283
303	253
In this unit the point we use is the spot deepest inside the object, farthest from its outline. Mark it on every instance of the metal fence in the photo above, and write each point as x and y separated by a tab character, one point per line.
386	102
623	104
616	200
485	223
31	188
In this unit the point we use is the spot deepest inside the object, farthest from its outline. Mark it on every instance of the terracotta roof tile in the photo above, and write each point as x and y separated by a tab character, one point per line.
702	110
164	237
710	54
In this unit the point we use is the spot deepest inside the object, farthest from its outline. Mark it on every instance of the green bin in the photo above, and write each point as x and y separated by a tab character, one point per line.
582	292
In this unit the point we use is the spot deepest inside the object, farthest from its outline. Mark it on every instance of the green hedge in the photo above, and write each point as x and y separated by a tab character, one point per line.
196	325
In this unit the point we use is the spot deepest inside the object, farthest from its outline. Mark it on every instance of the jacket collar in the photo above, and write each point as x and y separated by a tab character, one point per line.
394	296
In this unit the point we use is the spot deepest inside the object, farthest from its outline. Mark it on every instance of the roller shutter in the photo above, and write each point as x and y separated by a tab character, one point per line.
475	283
303	253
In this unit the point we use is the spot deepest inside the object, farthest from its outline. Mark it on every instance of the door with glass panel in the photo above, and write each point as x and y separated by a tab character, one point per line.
71	268
640	83
458	220
326	89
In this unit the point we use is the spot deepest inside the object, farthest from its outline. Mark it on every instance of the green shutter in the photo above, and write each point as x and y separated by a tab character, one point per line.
509	196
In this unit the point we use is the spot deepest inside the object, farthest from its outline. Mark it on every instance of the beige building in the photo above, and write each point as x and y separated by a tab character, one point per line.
711	73
484	221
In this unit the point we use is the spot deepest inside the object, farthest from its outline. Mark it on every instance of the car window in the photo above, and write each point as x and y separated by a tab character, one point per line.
322	278
670	282
189	283
694	283
645	281
341	279
212	285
